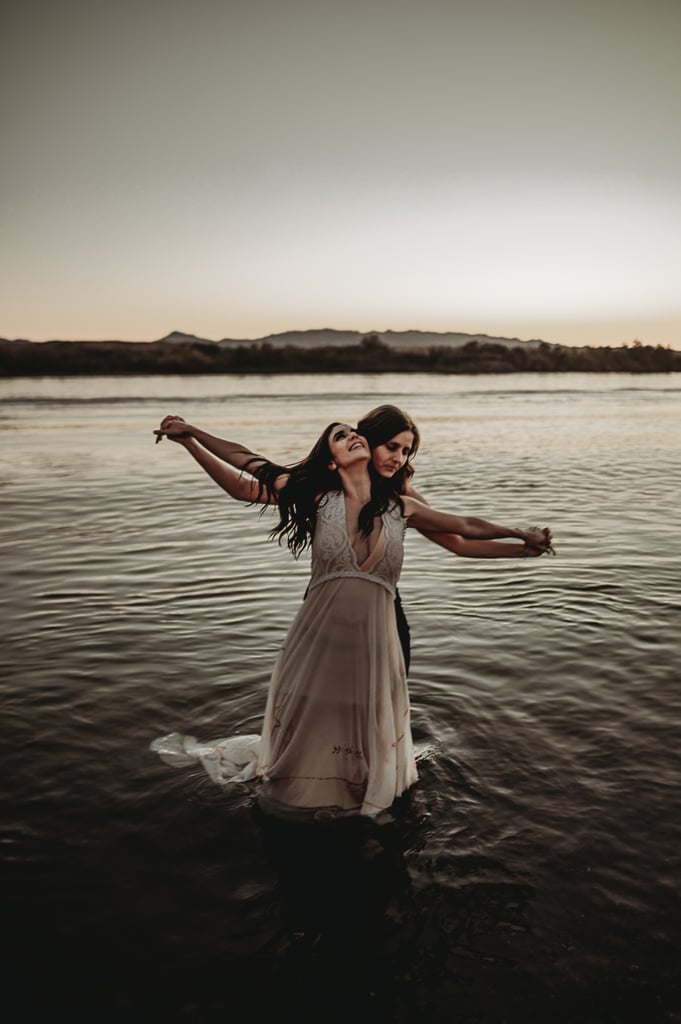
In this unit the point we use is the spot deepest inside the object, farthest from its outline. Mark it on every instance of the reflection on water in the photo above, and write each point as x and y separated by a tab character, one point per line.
532	874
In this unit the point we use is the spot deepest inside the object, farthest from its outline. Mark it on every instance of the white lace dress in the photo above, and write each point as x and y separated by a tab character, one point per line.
336	736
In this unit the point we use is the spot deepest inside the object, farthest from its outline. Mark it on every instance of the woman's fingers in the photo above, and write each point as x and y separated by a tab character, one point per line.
542	542
166	424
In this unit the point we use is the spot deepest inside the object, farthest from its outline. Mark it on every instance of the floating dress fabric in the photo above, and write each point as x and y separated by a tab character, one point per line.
336	737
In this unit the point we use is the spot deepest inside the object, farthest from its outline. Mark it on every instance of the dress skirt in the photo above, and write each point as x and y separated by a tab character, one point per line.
336	733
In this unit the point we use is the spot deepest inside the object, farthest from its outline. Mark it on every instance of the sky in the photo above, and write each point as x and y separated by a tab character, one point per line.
237	168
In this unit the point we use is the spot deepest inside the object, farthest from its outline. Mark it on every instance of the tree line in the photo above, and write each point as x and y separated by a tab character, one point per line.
371	355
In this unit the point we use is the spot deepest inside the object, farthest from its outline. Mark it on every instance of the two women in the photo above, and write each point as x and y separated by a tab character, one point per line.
336	737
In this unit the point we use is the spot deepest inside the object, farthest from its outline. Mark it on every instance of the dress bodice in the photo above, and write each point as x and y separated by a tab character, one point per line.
333	556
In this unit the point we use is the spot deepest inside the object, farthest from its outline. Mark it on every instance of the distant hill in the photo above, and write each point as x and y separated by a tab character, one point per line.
395	339
178	338
328	336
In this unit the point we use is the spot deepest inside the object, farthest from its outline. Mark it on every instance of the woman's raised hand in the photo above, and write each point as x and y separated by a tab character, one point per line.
171	427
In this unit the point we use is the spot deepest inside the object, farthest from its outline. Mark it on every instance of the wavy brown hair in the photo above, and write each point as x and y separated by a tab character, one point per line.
308	481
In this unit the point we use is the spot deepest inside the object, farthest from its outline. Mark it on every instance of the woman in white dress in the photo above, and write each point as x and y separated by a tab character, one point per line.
336	736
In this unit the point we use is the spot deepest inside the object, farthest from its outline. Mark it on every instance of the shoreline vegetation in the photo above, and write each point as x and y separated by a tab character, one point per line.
329	351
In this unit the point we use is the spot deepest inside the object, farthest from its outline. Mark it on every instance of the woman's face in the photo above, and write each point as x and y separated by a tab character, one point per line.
390	457
347	447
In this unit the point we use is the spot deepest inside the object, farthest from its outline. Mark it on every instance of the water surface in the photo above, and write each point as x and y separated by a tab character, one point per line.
532	874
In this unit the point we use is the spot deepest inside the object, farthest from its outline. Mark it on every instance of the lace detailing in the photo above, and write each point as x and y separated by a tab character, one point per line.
333	556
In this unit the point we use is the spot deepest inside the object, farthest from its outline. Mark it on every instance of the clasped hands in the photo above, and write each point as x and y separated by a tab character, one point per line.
538	542
170	428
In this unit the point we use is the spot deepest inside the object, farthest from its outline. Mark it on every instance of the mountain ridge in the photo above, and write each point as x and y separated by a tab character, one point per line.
320	337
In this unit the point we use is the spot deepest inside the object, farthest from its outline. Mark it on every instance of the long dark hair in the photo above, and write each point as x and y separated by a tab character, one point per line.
378	426
310	478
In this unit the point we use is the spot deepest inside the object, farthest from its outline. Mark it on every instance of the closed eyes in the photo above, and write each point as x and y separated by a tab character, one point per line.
340	434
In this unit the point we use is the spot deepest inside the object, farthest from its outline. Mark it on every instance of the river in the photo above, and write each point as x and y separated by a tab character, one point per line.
533	872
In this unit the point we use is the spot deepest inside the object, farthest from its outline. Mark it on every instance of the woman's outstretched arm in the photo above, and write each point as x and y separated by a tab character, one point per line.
216	456
238	486
465	548
429	520
235	454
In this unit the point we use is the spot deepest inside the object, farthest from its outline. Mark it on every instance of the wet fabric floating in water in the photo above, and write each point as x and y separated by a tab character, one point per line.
226	760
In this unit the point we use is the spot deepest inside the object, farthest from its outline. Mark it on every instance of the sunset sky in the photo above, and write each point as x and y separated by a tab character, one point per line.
235	168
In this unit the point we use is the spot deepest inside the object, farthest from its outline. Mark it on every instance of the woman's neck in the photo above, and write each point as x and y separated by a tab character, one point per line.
356	483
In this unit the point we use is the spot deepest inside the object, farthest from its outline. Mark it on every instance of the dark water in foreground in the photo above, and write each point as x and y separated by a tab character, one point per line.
531	875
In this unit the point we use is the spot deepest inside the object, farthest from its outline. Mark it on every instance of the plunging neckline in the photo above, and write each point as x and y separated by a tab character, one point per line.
370	561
